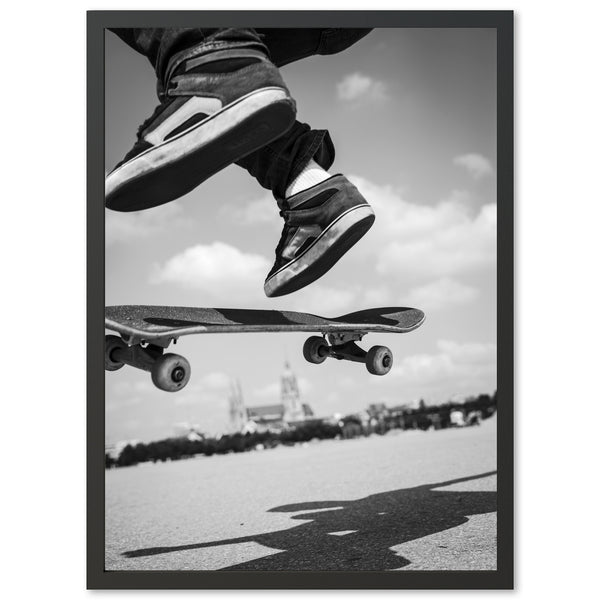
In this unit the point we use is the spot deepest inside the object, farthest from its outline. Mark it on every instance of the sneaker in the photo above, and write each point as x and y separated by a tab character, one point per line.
321	224
216	109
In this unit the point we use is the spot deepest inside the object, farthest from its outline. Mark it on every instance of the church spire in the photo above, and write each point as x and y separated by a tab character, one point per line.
290	395
237	410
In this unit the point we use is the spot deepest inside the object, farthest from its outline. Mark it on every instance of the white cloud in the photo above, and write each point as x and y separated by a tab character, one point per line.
271	392
460	243
268	393
440	294
377	296
252	212
129	388
124	227
214	381
126	394
218	269
358	87
418	242
455	369
334	301
413	255
324	300
210	390
223	271
477	165
113	404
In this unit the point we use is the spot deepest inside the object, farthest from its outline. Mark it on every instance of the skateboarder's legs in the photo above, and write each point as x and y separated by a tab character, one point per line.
222	101
284	45
278	163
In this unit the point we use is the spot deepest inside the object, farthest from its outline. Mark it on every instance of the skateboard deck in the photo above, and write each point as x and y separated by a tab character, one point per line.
146	330
170	322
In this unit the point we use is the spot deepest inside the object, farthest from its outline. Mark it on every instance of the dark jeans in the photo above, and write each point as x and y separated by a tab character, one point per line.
277	164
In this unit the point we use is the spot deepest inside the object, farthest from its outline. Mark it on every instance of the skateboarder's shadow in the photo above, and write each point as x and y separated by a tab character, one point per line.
376	523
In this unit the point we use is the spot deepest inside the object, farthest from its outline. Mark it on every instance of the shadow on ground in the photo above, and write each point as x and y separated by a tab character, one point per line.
377	522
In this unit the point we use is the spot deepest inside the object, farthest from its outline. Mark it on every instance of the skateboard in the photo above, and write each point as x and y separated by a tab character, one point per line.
146	331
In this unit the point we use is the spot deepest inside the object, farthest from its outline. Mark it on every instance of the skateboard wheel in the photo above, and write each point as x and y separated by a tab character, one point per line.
111	343
379	360
170	372
315	350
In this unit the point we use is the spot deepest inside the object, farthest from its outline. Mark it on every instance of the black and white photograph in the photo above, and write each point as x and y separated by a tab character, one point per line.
301	277
300	299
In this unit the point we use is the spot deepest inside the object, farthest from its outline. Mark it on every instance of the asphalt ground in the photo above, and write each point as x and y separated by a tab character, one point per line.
407	500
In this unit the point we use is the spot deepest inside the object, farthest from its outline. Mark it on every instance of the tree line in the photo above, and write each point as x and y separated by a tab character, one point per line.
424	417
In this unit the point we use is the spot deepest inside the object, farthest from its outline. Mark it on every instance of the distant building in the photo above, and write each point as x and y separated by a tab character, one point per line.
290	410
273	417
237	410
190	431
290	395
270	416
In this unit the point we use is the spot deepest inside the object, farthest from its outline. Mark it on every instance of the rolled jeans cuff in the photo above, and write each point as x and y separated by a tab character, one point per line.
277	164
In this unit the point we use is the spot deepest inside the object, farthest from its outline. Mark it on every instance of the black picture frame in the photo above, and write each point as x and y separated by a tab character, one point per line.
97	577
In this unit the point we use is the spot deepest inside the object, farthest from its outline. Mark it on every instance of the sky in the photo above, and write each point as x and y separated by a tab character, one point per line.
412	113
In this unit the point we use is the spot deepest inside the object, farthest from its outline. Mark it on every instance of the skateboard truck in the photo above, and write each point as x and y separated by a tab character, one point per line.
170	372
342	345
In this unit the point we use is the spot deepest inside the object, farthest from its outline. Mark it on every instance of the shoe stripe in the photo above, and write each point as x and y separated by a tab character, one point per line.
299	239
195	105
